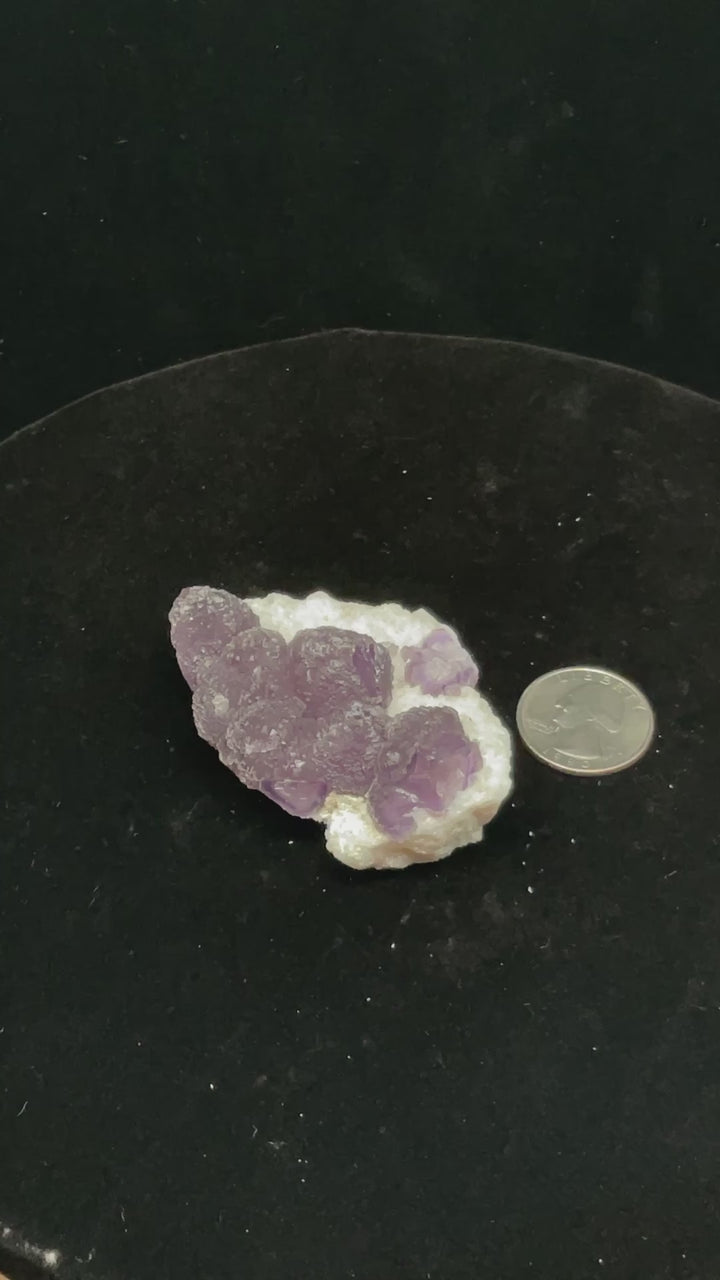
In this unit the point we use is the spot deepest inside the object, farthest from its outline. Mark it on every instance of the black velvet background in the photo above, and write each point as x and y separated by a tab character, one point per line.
186	176
225	1055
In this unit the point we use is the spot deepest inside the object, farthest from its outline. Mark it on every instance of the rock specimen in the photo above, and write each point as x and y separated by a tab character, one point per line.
364	717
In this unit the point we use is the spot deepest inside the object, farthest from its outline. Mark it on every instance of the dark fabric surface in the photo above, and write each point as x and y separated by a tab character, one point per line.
222	1053
185	176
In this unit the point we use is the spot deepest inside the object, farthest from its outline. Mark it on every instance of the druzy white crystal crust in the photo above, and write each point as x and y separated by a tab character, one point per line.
424	654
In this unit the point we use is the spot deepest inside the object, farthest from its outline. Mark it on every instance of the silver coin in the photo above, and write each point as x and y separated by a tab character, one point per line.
585	720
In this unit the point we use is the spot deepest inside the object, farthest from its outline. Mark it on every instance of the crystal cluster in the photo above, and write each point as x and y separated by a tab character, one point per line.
308	716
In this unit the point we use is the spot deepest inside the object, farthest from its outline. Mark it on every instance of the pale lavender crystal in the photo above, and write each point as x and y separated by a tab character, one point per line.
331	668
300	720
426	761
392	809
261	739
202	620
439	663
299	797
270	746
212	712
253	664
347	746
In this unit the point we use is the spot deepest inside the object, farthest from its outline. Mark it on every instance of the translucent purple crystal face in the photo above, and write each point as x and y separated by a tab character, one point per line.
426	760
253	664
347	746
300	720
333	668
261	739
439	663
202	620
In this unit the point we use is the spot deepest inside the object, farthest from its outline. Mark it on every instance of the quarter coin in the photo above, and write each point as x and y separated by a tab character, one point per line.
585	720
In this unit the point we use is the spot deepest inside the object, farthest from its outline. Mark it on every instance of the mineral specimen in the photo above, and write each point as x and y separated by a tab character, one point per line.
364	717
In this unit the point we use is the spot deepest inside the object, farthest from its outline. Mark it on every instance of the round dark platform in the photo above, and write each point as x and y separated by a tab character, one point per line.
223	1054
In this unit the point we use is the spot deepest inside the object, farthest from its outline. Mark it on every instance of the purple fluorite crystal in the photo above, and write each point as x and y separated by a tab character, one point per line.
426	761
202	620
253	664
261	739
332	668
299	797
270	746
300	720
347	745
439	663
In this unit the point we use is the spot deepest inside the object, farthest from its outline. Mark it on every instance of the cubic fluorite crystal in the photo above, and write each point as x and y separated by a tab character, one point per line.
425	761
439	663
376	737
